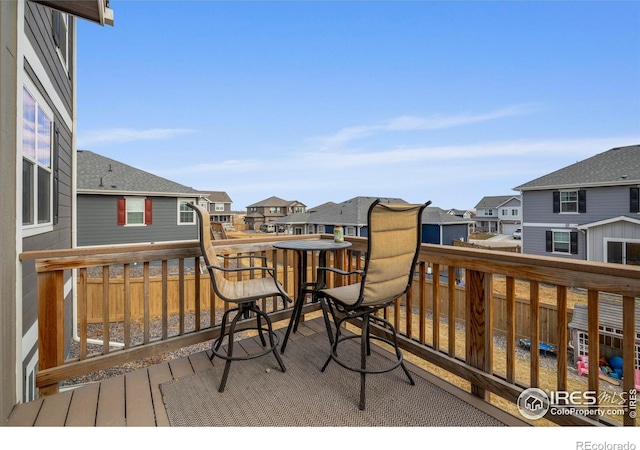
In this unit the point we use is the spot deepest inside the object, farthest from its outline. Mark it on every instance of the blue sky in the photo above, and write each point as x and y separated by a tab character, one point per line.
324	101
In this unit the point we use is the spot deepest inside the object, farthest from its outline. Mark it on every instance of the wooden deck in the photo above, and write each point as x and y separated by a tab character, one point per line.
135	399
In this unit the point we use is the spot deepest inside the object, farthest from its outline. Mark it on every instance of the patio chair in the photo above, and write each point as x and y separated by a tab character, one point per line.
243	294
394	232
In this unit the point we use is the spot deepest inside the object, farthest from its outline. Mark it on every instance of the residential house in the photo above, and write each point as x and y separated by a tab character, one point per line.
119	204
218	204
438	227
269	210
589	210
469	214
500	214
38	80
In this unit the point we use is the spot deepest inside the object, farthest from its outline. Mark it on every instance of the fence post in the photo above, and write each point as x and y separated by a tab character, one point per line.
478	324
50	324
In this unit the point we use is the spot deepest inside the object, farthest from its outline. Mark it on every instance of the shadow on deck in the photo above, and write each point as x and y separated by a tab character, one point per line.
184	392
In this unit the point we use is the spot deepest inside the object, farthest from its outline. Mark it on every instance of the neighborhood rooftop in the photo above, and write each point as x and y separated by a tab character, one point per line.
618	166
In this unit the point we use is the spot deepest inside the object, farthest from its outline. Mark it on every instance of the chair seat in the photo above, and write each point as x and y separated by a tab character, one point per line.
347	295
241	291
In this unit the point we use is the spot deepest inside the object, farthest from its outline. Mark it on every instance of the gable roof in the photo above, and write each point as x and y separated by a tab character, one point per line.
274	201
98	174
217	196
615	167
435	215
492	202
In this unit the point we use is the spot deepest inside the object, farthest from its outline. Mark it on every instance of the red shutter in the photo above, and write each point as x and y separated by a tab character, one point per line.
147	211
122	211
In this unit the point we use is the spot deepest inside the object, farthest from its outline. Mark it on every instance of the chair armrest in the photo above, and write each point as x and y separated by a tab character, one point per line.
271	270
340	271
262	258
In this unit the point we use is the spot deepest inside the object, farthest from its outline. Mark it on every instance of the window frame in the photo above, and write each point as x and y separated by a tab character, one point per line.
38	162
218	207
184	201
61	32
127	211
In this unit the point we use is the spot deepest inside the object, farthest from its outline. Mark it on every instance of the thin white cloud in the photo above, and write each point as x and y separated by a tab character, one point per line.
123	135
412	123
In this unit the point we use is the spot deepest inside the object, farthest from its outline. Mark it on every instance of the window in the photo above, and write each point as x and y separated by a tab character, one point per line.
186	215
134	211
623	252
514	212
60	30
37	146
570	201
634	197
488	212
505	212
562	242
274	210
219	207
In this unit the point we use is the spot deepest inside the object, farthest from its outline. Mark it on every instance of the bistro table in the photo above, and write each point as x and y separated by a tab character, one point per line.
303	246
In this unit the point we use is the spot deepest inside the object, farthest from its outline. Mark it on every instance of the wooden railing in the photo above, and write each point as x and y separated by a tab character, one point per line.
427	329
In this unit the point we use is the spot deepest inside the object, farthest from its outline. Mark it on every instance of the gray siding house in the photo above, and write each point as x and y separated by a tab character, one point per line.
269	210
438	227
37	121
589	210
119	204
500	214
218	204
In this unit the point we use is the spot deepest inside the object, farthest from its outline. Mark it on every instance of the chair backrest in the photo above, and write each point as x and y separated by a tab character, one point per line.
220	284
394	238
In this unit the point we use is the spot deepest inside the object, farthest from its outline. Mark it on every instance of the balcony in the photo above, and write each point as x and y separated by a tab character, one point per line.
504	294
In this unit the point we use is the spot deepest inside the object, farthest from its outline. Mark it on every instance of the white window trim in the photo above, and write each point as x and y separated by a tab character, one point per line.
217	207
624	241
193	213
576	201
63	60
126	212
553	242
35	228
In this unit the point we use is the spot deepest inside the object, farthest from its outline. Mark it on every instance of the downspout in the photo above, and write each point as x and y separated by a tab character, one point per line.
74	194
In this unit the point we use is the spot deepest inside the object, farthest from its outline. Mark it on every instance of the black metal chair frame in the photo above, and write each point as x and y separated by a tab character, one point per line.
367	314
245	309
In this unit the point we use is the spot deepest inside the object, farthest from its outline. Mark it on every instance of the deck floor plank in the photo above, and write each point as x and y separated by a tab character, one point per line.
83	407
159	374
25	414
139	404
111	403
54	410
200	361
180	368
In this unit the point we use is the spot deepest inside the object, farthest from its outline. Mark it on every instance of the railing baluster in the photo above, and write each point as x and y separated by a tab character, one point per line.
563	337
196	294
453	292
82	311
511	329
105	310
165	301
422	283
126	273
181	295
534	338
435	286
147	325
629	358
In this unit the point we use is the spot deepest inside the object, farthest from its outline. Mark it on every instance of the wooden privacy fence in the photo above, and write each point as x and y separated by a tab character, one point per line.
116	302
548	314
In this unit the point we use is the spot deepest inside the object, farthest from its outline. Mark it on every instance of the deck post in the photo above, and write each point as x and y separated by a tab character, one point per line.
50	324
477	324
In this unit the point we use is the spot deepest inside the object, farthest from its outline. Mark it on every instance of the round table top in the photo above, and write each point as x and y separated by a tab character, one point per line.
312	244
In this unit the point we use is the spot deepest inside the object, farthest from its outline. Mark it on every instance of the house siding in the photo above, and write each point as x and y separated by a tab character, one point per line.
97	222
601	203
617	231
59	99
